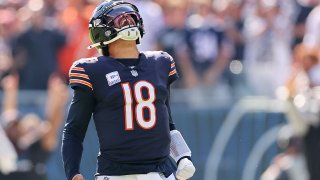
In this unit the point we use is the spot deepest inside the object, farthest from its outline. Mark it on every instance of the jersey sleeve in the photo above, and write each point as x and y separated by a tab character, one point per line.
79	115
79	77
173	73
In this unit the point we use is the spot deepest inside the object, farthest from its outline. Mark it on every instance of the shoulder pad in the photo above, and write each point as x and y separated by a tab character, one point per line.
166	55
157	54
85	61
151	53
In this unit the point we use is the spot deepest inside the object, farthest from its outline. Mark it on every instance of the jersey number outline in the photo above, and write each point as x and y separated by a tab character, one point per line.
142	103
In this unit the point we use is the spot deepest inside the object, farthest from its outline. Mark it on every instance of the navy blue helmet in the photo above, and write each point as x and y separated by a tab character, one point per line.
113	20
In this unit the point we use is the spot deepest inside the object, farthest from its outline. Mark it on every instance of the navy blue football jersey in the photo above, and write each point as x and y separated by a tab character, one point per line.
130	115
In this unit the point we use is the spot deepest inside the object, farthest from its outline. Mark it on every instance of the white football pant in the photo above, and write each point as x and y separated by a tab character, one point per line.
149	176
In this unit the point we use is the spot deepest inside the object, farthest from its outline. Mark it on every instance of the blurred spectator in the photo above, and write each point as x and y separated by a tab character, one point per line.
304	60
153	22
311	139
301	85
50	8
33	138
234	13
312	39
7	29
161	3
303	9
206	42
74	20
35	52
312	36
290	164
173	40
268	31
309	109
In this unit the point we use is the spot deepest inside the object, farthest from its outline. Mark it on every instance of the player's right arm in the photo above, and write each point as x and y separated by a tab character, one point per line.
78	118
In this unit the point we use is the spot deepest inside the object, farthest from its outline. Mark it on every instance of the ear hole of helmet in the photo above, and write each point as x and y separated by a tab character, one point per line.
110	32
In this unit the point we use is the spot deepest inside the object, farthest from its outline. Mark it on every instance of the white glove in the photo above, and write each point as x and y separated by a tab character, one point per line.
185	170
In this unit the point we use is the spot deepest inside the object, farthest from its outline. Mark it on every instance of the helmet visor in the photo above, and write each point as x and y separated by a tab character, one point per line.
120	14
124	20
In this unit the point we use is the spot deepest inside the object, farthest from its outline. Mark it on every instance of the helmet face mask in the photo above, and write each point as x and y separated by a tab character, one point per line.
113	20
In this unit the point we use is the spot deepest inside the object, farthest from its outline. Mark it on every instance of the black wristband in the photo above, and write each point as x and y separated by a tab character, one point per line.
188	157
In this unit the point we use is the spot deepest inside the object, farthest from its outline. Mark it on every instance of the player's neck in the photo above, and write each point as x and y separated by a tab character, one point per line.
123	50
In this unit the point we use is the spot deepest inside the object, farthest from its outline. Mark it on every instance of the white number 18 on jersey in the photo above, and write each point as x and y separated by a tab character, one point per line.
142	103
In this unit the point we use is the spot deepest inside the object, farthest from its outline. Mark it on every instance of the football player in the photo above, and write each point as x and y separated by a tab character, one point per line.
127	92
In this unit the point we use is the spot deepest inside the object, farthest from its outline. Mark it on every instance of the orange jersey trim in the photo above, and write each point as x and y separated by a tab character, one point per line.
173	65
79	75
81	82
173	72
77	69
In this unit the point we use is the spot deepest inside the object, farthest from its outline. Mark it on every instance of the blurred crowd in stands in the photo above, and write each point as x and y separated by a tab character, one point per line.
237	47
245	46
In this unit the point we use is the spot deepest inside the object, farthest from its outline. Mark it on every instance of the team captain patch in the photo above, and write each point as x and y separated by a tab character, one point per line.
113	78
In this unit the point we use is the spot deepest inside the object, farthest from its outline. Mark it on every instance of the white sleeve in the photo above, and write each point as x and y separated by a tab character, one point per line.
178	146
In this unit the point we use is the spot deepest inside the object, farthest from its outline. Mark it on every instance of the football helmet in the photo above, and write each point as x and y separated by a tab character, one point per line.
113	20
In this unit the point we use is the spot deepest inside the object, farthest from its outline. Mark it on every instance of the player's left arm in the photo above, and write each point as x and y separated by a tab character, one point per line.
179	149
79	115
78	118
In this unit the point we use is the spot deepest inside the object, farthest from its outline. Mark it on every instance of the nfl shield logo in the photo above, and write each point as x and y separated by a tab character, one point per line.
134	73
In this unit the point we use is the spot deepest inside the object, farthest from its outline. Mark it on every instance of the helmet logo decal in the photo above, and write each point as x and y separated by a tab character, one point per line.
96	22
108	33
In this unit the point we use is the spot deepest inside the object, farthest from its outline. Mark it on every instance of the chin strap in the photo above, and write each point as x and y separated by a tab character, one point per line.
103	43
127	33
